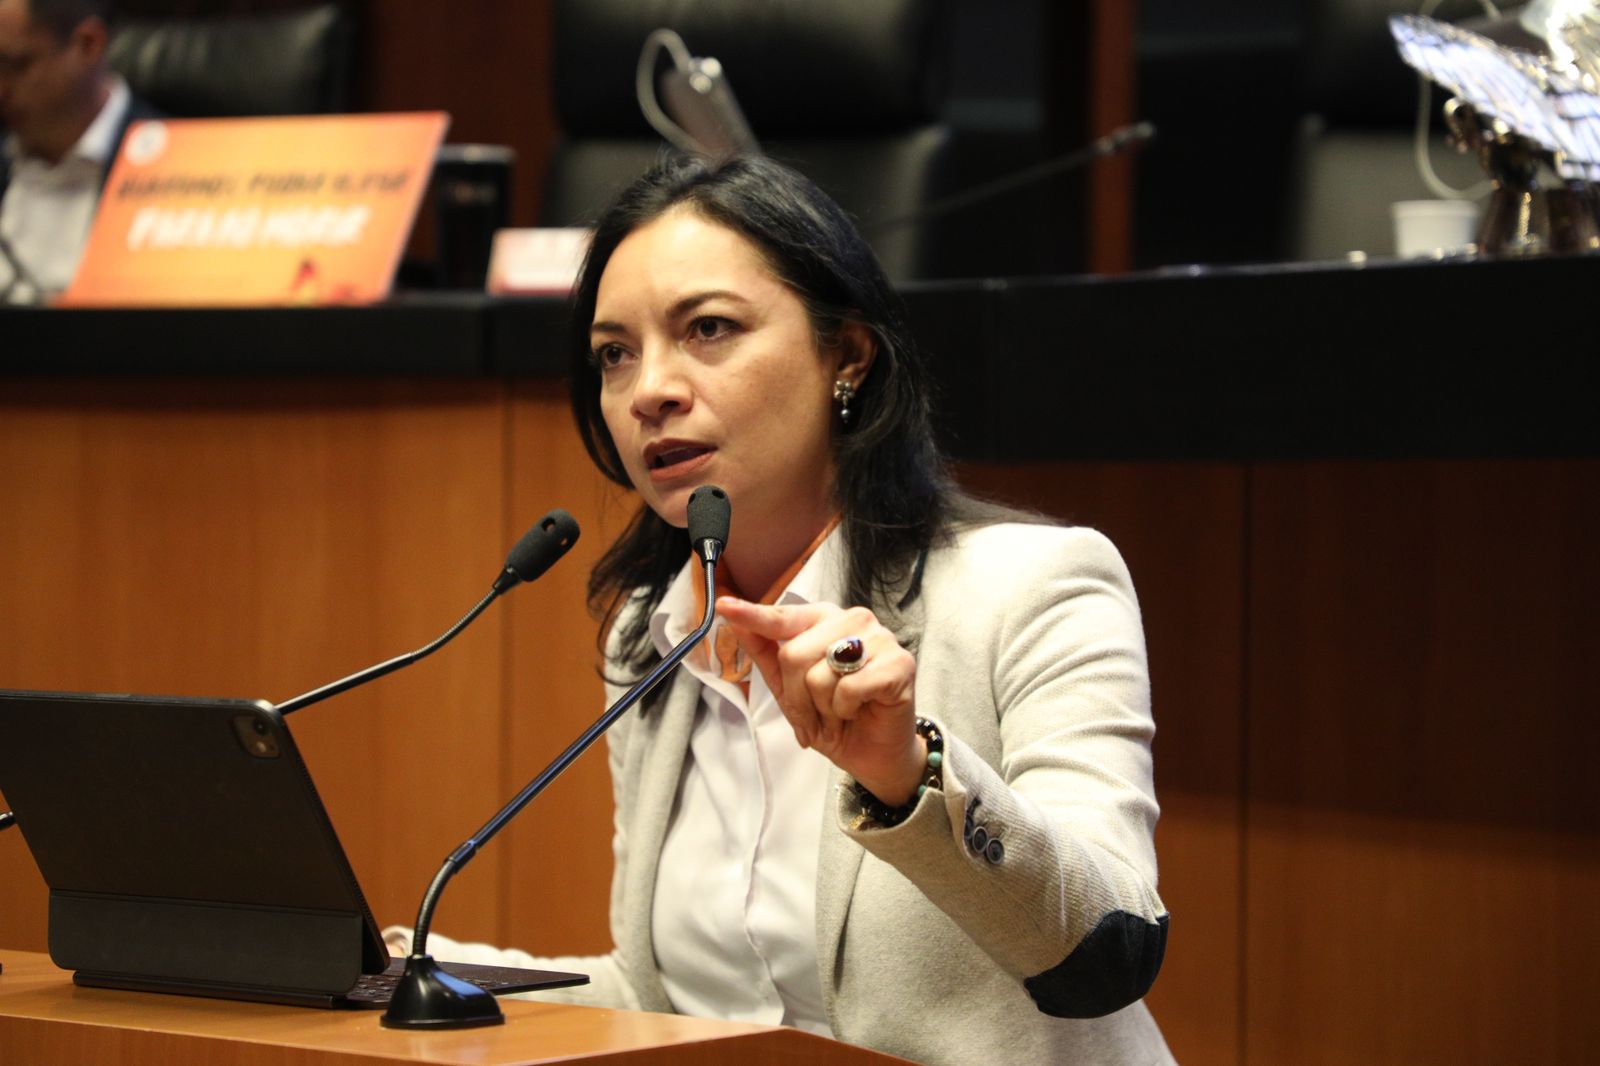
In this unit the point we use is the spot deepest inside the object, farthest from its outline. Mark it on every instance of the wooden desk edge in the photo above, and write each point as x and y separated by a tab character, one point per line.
44	1017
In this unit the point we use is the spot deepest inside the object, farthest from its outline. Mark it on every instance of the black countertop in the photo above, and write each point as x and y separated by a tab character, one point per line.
1384	359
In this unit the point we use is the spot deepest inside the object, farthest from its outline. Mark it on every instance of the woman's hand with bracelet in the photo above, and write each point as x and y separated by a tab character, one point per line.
844	683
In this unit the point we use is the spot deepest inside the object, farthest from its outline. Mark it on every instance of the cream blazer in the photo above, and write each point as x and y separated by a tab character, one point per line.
934	944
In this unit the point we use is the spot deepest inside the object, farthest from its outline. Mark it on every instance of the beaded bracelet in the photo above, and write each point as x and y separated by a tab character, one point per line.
877	814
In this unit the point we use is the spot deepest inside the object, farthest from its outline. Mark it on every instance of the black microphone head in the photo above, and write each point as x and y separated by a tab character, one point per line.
538	549
709	514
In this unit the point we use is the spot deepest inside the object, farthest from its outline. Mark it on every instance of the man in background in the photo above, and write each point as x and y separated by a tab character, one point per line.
64	112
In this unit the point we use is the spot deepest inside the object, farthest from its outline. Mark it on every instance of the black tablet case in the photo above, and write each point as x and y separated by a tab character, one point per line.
185	848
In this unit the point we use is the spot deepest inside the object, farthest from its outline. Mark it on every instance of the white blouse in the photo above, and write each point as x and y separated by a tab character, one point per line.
48	209
734	918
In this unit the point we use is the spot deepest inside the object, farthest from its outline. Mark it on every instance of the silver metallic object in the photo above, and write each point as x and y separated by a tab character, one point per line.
1527	104
701	116
844	394
847	655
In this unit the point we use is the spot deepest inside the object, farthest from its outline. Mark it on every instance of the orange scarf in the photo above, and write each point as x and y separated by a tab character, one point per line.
733	665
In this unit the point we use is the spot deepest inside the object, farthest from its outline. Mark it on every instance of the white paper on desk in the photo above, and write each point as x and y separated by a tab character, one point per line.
536	262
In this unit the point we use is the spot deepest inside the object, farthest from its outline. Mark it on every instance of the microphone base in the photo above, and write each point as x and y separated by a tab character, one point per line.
427	997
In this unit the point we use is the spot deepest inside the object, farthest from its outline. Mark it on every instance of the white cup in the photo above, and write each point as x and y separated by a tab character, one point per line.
1434	228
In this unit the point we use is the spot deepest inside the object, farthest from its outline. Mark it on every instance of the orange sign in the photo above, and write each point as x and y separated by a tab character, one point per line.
305	210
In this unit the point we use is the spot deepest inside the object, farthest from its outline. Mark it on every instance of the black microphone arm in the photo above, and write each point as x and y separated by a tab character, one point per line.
427	997
536	552
1116	142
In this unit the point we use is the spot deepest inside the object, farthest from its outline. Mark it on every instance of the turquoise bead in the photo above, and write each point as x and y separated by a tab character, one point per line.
935	759
920	790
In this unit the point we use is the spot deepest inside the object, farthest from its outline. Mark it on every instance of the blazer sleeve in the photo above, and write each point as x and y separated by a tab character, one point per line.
1040	848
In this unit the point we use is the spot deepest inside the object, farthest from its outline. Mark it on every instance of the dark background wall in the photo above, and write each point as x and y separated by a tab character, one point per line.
1220	83
1018	92
1227	86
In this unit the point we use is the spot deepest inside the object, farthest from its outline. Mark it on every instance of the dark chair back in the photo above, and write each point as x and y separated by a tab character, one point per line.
276	63
848	92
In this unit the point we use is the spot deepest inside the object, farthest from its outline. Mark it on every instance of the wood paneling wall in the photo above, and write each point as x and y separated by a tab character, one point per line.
1180	528
1376	721
487	63
1371	683
557	873
1422	802
258	540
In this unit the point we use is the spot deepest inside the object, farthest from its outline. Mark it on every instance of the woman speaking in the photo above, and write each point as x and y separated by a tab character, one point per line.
902	795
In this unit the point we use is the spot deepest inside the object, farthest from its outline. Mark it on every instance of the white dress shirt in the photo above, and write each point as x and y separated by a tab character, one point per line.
48	209
734	916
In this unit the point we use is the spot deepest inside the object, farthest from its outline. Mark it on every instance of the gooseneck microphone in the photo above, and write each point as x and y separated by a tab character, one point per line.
709	515
536	552
427	997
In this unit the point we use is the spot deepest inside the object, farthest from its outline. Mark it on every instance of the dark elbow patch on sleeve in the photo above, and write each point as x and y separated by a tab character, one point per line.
1115	965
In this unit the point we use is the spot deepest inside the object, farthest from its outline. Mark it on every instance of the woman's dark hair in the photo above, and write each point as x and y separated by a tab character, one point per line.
892	490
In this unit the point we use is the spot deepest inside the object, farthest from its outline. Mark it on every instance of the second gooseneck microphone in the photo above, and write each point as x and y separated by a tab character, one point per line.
429	998
536	552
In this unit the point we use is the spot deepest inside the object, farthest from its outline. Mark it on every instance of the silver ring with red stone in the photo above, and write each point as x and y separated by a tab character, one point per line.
847	655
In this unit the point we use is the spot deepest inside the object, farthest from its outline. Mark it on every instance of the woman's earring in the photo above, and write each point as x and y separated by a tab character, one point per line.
843	393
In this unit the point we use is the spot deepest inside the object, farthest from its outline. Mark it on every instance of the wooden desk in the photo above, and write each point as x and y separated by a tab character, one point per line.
45	1018
1358	504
